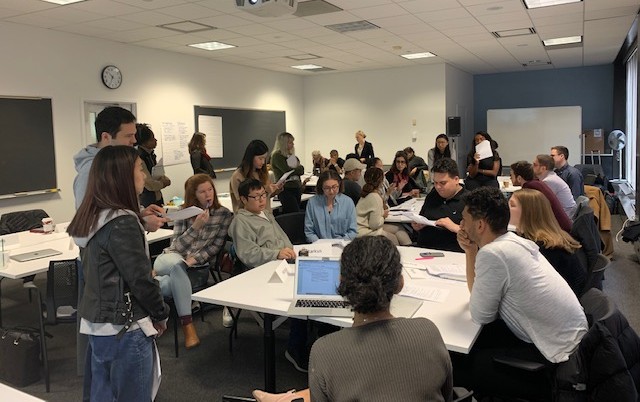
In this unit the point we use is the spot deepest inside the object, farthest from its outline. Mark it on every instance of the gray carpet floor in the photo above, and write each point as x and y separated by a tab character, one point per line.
211	370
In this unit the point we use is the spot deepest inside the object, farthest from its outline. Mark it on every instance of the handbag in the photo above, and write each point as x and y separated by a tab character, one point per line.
20	356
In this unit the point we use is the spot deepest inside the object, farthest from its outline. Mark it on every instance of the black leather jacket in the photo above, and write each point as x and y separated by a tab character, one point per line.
114	262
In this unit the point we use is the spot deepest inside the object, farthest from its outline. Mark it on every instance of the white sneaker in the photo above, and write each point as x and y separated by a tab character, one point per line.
227	320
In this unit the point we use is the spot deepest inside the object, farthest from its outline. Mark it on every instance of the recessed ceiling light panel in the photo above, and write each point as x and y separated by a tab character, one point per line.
422	55
513	32
547	3
63	2
187	27
352	26
567	40
212	45
307	67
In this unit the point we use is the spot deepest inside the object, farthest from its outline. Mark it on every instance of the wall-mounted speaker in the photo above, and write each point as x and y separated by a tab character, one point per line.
453	126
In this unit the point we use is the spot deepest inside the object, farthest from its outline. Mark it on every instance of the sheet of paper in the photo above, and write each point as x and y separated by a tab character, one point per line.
284	177
484	149
212	127
416	273
448	271
186	213
417	218
175	142
157	372
425	293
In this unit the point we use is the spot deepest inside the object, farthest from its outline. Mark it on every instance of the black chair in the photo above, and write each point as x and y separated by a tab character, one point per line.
199	277
14	222
293	225
61	303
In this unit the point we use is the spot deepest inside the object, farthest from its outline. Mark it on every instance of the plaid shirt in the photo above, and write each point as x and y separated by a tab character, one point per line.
203	244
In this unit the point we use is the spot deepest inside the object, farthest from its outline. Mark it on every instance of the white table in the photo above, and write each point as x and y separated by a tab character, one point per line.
452	317
11	394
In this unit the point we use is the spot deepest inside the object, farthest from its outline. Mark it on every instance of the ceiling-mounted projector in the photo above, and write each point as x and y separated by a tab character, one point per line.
268	8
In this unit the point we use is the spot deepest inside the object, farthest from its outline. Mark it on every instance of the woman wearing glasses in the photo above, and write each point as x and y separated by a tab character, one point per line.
330	214
402	185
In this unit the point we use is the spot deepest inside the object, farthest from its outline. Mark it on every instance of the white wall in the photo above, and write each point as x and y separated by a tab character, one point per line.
459	102
165	86
382	103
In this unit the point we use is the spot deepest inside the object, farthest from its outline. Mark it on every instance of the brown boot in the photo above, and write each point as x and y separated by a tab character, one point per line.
191	339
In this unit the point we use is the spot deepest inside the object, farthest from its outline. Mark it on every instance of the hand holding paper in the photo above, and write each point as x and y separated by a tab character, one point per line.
483	150
283	178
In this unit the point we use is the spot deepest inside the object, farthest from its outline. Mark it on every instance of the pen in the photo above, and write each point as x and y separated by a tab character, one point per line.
424	258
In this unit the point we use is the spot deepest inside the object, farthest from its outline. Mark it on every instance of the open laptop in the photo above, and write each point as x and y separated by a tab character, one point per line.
316	288
316	291
34	255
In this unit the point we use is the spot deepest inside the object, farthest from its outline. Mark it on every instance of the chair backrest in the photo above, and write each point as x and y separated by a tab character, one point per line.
293	225
20	221
585	231
597	306
62	291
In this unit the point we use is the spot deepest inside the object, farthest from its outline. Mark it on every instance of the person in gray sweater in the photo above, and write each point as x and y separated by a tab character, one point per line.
380	358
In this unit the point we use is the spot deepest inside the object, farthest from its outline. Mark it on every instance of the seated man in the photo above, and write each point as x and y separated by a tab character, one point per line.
543	170
257	237
352	171
568	173
444	205
335	162
522	175
531	311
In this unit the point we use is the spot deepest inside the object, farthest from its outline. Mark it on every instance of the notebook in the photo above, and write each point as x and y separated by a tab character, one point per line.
34	255
316	288
316	291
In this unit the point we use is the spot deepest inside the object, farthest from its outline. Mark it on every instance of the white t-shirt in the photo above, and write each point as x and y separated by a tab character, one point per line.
516	283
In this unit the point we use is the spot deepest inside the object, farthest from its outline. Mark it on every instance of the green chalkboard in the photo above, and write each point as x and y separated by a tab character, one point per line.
28	162
239	127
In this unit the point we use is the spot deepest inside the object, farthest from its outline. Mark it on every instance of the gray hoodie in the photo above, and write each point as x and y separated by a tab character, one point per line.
83	161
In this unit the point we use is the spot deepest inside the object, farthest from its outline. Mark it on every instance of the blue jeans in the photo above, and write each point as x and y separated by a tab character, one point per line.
174	281
121	369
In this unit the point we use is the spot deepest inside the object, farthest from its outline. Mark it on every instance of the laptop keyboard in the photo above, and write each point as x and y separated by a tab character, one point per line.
321	303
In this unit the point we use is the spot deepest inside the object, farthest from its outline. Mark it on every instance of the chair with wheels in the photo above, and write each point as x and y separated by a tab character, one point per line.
293	225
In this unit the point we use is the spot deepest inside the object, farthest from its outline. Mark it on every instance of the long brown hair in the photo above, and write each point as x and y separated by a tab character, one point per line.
255	148
197	142
110	186
539	224
191	186
373	179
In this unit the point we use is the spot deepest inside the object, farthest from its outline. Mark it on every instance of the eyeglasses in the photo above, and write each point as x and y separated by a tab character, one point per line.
402	162
262	196
332	188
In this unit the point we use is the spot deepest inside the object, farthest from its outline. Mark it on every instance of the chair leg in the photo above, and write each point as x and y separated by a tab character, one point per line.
43	338
234	327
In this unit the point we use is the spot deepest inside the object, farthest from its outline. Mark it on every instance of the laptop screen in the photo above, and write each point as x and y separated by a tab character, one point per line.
318	277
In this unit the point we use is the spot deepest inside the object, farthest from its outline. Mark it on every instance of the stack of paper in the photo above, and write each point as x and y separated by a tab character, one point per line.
452	271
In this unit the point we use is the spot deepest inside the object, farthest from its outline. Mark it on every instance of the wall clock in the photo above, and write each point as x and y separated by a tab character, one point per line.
111	77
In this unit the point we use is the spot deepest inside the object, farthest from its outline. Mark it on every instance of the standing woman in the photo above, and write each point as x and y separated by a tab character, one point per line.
441	150
533	218
363	149
284	159
482	172
330	214
195	241
371	211
402	185
200	160
147	142
253	166
122	309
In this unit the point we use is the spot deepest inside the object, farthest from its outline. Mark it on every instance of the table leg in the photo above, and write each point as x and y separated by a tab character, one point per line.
269	354
1	278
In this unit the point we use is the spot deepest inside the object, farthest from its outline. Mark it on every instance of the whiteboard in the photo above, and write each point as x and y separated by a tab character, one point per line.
524	133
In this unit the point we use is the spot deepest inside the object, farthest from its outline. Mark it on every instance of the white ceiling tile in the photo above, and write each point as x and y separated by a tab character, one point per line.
9	12
420	6
608	13
396	21
223	21
354	4
27	6
188	11
411	29
602	5
112	24
152	5
136	35
252	30
318	31
333	18
517	17
501	7
443	15
571	8
105	7
559	31
34	19
558	19
388	10
457	23
150	18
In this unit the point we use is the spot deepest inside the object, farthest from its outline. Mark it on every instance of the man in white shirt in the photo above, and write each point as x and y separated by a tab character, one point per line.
528	310
543	169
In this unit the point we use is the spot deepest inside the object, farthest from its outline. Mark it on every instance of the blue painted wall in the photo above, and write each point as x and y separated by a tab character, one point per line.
588	87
